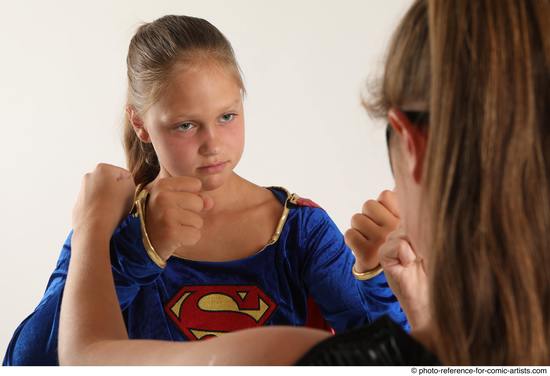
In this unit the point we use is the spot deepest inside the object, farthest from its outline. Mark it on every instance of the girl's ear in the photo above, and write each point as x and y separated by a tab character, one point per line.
137	123
413	142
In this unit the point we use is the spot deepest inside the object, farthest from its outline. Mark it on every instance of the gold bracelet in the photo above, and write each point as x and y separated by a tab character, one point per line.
141	202
369	274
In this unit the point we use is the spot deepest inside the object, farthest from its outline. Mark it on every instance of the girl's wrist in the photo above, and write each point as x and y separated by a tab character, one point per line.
360	267
89	241
95	229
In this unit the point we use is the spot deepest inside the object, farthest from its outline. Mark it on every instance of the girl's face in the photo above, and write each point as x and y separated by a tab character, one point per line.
197	125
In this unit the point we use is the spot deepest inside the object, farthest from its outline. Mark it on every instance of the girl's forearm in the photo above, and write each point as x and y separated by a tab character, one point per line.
90	310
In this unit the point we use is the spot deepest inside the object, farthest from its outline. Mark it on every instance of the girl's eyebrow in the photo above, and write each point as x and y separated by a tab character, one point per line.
233	104
191	115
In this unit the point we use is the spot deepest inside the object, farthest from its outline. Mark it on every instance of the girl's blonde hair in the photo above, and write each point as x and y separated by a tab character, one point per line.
154	50
483	69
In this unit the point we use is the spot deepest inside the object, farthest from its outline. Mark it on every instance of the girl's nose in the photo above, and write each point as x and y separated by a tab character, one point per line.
210	142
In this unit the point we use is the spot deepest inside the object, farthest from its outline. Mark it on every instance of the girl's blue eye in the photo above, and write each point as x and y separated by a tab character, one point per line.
226	118
185	127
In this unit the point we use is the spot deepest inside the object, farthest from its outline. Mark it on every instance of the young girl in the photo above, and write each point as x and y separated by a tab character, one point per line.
204	251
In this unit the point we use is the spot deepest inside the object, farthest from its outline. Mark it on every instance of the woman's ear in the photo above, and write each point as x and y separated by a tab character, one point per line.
413	141
137	123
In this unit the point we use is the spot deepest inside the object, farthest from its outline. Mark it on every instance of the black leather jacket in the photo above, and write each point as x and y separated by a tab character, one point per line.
383	343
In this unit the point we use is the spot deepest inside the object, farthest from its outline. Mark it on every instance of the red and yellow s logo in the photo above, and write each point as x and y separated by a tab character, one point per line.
205	311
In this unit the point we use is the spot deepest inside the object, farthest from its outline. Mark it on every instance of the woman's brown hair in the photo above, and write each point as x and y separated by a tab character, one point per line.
154	50
483	69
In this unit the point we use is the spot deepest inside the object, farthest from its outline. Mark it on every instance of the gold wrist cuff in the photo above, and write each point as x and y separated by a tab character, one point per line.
369	274
141	201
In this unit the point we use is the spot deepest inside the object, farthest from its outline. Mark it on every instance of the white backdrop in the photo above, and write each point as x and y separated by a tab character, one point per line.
62	87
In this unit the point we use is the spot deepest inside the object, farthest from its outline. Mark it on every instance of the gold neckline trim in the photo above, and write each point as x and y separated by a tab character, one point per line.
290	198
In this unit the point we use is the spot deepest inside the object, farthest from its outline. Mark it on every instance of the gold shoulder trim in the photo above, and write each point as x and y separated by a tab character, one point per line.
138	194
140	204
290	198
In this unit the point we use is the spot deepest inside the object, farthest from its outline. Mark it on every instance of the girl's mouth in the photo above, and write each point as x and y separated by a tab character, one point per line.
213	168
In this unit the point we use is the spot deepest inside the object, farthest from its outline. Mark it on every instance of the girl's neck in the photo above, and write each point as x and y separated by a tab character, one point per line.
233	194
230	195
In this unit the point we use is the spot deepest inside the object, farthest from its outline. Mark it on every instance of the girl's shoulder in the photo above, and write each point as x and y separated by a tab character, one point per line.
292	200
297	208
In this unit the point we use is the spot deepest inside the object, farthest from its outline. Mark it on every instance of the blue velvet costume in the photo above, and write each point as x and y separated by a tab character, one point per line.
305	273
